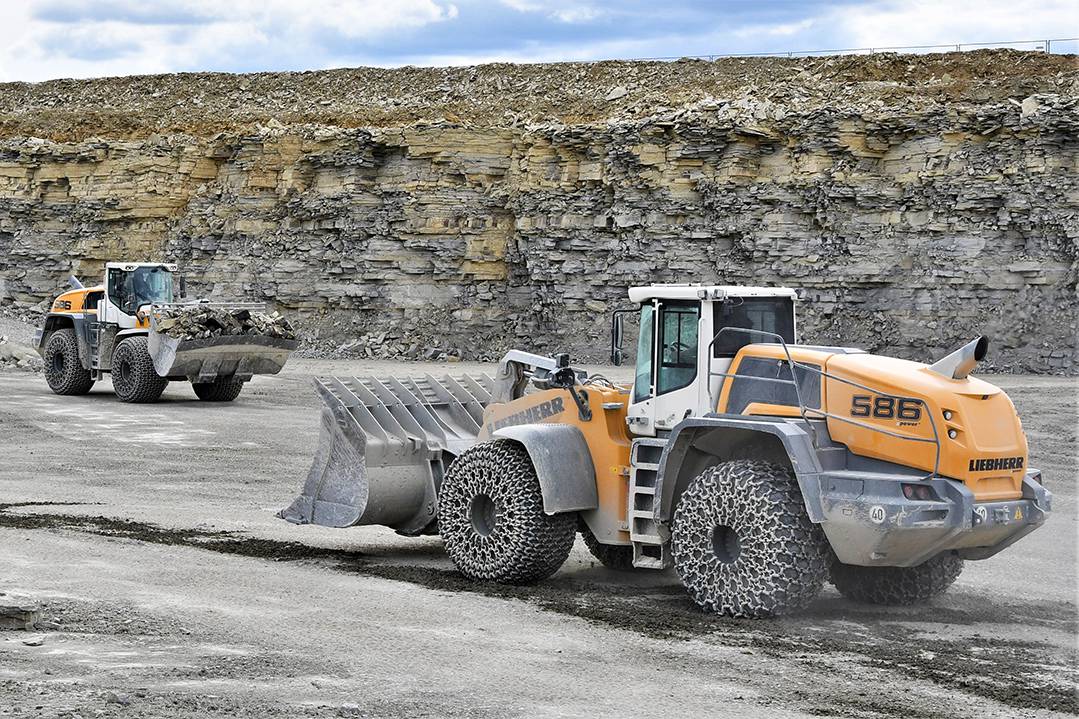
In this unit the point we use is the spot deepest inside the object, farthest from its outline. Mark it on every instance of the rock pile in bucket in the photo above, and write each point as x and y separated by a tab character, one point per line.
201	322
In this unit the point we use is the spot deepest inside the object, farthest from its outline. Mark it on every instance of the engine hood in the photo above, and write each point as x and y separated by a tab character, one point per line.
979	433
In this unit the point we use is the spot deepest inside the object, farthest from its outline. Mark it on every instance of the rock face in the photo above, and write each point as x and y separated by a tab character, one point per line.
919	200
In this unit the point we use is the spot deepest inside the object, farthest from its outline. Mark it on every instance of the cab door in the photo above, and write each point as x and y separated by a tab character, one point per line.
115	292
676	362
665	388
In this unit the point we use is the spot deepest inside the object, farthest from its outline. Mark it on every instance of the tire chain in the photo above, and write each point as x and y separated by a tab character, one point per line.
144	384
72	379
525	545
782	562
220	390
897	585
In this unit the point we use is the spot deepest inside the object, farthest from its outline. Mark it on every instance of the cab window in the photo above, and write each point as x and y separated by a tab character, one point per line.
677	345
767	314
642	382
131	289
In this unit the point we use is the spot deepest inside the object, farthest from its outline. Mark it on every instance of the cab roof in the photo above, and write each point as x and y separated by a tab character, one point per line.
128	266
705	292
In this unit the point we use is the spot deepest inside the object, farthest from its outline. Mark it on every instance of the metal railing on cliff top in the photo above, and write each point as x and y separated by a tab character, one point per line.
1045	46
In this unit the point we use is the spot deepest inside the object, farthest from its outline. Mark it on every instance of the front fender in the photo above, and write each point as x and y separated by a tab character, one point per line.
563	464
699	442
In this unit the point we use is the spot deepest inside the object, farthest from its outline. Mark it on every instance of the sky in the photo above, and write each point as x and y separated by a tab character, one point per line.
49	39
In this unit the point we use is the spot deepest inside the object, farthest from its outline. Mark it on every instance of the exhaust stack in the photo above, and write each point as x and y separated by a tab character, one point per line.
74	282
962	362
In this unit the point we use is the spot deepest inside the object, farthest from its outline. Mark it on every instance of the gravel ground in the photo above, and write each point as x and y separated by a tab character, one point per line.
147	532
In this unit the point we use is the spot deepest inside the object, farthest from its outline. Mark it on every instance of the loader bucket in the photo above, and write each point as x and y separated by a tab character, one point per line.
384	446
204	360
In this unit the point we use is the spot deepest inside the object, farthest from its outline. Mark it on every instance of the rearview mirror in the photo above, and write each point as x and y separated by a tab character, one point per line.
617	334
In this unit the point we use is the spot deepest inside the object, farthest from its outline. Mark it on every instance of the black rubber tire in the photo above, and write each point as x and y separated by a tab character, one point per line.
63	370
491	518
743	544
133	376
612	556
221	390
897	586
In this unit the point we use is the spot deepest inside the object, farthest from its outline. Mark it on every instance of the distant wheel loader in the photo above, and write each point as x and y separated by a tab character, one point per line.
757	468
112	329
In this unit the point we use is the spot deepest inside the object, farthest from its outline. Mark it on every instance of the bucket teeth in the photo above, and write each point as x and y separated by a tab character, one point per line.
383	447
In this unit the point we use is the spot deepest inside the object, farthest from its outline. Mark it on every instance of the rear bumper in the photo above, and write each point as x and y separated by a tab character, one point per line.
869	521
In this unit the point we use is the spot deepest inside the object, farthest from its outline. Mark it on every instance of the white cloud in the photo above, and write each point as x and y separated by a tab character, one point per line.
88	38
931	22
121	38
565	11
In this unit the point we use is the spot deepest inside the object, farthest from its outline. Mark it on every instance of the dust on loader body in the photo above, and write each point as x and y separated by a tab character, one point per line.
757	467
131	328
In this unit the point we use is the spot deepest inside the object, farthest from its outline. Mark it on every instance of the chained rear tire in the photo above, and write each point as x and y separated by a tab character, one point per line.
612	556
63	370
220	390
133	376
897	586
491	518
743	544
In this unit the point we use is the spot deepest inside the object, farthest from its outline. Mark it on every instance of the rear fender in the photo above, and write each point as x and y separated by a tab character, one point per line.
699	443
563	464
59	321
53	322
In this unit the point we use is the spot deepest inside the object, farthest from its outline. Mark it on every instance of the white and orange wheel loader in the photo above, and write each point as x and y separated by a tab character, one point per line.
756	467
111	329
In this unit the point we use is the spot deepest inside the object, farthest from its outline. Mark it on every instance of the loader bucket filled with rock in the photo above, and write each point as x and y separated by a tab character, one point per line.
206	342
384	446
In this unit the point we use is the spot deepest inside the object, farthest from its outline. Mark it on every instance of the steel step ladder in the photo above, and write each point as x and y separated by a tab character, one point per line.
650	551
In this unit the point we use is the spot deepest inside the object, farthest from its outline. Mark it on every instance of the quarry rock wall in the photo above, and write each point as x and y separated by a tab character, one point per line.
916	208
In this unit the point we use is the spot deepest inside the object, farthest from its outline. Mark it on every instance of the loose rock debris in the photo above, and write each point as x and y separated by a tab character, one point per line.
18	356
201	322
19	616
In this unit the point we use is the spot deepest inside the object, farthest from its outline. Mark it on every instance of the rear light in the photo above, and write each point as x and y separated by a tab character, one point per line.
921	492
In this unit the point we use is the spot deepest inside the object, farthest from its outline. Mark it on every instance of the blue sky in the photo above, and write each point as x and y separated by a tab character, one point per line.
90	38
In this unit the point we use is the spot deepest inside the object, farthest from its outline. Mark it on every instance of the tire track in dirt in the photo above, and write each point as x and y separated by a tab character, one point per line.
1018	674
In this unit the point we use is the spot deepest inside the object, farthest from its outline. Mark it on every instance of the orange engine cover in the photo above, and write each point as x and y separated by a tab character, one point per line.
981	438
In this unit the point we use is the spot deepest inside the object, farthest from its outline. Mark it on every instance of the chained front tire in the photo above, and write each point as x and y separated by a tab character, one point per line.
134	378
491	517
743	544
63	370
897	586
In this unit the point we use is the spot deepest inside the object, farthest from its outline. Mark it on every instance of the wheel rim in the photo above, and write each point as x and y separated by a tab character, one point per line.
125	372
483	515
57	363
726	545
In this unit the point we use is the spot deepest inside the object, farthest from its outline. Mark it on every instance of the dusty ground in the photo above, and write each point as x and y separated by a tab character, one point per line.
148	534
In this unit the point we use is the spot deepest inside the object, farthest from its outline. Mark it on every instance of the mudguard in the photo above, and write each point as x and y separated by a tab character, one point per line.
776	440
563	464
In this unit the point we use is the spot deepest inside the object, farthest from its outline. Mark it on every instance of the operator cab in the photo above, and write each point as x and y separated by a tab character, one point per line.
679	332
130	286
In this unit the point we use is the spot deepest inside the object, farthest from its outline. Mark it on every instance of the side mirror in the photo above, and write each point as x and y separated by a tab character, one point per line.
617	334
183	287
